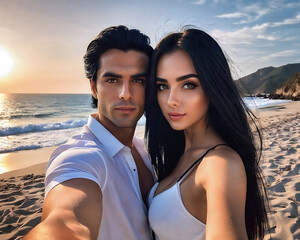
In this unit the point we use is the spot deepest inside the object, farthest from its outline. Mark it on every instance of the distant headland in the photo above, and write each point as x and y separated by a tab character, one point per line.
277	83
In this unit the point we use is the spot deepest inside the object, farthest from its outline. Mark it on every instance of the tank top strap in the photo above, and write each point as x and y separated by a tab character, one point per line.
198	160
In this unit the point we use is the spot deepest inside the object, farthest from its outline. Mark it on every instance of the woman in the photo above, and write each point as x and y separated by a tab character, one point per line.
201	145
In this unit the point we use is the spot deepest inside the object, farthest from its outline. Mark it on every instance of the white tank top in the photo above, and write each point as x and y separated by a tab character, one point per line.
168	217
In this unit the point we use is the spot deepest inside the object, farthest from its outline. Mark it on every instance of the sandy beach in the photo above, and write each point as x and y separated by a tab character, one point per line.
22	186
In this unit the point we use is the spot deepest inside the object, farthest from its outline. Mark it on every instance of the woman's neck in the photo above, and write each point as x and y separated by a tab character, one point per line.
200	135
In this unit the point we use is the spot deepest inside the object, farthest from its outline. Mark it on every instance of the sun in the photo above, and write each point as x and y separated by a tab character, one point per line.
6	62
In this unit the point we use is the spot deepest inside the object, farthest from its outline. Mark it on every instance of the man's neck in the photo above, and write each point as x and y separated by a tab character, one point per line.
123	134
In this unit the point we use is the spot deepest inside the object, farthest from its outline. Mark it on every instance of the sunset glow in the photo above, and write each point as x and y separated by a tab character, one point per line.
6	62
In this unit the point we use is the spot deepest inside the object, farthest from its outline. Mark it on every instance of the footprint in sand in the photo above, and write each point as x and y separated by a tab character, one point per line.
293	140
280	205
291	210
10	219
297	197
279	188
292	161
291	151
280	157
295	171
297	186
269	180
28	203
273	165
295	227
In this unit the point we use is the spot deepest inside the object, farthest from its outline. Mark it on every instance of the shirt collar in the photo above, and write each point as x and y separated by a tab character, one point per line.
111	144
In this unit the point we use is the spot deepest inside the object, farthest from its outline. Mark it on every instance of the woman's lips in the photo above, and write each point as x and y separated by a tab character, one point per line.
175	116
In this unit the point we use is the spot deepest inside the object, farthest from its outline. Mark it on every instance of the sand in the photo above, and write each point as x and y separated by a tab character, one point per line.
281	166
22	190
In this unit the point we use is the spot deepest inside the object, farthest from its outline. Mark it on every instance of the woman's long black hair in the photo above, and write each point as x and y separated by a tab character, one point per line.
227	115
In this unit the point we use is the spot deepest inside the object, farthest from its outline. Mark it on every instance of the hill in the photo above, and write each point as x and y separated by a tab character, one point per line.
290	89
267	80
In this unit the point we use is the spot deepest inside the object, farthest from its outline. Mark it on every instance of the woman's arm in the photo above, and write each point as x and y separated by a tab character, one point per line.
225	183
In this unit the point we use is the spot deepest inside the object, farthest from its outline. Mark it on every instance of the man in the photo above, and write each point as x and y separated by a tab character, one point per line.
97	183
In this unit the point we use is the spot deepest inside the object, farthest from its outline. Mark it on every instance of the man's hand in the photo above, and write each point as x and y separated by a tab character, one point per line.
71	210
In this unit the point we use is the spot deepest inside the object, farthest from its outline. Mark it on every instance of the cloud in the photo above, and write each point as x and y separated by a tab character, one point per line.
253	12
264	37
246	35
199	2
231	15
261	26
249	13
293	5
280	54
289	21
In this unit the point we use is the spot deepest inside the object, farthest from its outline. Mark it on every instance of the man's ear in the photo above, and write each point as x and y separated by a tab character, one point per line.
93	88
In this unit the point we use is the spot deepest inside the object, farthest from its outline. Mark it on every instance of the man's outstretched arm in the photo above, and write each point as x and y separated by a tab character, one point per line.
71	210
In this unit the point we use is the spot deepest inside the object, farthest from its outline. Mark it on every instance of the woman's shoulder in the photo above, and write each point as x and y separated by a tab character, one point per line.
223	165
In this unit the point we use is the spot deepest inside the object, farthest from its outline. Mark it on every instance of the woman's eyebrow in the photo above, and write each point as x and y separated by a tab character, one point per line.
186	76
179	78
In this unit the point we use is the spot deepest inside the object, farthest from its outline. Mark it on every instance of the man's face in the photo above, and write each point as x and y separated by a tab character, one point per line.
120	87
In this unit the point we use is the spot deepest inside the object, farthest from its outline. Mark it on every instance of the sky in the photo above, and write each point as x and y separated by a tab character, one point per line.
47	39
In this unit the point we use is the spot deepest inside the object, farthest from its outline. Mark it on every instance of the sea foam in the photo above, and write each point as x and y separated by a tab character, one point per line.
8	131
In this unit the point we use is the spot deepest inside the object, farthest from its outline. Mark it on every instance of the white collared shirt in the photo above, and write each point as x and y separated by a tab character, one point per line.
98	156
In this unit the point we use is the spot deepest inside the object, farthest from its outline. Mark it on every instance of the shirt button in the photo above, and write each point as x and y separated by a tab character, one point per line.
134	169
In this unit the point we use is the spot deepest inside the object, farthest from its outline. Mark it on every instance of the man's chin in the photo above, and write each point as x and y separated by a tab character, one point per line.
126	124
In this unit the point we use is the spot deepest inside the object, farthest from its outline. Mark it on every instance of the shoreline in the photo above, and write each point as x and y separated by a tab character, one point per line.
33	161
24	162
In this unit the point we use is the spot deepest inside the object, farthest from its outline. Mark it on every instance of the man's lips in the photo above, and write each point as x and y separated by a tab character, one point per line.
175	116
125	109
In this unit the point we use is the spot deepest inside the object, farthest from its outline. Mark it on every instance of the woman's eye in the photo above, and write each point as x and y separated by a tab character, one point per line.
189	85
112	80
161	87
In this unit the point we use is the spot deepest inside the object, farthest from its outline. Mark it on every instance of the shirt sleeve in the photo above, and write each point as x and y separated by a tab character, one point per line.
76	163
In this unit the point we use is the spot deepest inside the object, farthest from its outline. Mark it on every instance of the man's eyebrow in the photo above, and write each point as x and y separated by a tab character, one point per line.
161	80
186	76
110	74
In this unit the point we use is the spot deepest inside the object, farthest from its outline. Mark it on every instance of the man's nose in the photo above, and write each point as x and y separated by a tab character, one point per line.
125	92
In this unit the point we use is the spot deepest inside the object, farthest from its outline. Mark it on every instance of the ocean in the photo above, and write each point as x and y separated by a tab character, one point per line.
31	121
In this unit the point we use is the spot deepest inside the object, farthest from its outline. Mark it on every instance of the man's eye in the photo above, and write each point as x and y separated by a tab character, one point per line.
139	80
161	87
189	85
111	80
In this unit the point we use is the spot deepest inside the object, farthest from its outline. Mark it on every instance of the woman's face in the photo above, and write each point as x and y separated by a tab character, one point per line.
179	93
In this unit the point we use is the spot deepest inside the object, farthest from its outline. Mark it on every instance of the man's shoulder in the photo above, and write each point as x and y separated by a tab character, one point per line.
80	147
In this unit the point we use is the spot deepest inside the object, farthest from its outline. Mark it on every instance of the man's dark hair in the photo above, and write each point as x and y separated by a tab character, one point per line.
116	37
